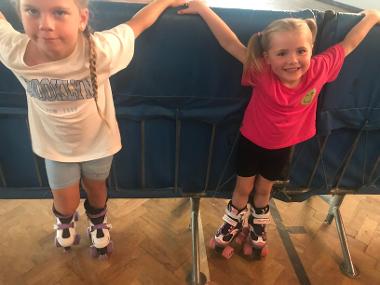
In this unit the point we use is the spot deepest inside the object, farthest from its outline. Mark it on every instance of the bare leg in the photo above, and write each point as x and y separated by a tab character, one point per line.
66	200
243	188
95	206
263	188
96	192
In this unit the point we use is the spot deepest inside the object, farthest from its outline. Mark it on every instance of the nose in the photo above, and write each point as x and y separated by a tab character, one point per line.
292	57
46	23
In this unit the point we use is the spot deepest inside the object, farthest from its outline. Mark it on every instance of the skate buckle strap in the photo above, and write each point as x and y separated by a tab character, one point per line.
101	214
230	220
101	226
234	216
261	221
63	226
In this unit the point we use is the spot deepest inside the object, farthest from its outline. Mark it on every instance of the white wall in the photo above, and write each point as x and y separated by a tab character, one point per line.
365	4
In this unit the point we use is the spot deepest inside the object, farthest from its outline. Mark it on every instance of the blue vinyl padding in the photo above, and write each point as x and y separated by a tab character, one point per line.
180	103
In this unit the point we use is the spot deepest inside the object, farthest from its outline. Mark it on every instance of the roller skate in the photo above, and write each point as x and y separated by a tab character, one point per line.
255	244
66	235
99	234
228	231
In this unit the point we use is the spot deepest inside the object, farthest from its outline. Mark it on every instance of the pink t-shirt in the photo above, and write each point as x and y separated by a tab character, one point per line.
278	116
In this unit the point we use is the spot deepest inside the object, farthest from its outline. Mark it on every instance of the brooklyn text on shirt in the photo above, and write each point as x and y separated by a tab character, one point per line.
59	90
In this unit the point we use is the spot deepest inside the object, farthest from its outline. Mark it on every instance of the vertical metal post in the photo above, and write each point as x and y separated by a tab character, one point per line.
197	278
334	202
347	266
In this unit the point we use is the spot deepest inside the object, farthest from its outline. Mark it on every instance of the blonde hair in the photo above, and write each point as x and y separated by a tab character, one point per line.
260	42
92	54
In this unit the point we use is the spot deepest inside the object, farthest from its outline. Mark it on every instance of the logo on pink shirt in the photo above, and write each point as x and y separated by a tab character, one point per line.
308	98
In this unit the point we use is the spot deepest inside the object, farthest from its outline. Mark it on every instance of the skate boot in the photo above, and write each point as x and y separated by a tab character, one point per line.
99	234
255	244
233	219
66	235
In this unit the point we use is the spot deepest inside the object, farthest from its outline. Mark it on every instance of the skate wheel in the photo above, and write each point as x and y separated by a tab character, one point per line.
93	251
56	243
77	239
260	252
212	243
242	236
110	248
228	251
247	249
264	251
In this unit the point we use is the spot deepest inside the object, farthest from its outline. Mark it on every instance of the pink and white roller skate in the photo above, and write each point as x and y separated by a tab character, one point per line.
66	235
99	234
224	236
255	244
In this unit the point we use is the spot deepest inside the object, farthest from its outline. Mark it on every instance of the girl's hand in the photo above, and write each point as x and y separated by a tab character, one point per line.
176	3
372	13
193	7
1	16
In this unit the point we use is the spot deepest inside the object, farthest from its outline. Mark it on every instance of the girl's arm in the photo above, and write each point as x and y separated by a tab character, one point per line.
225	36
146	17
2	16
360	30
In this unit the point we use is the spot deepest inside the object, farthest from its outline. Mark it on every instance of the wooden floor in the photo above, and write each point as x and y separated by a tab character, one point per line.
152	245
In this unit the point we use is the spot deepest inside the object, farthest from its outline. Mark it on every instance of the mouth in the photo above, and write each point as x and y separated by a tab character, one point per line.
292	69
49	39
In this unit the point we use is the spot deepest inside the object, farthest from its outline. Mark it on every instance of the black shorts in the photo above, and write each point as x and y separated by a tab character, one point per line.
253	159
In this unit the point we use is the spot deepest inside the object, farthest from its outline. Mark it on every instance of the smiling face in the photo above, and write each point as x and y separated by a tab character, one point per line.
53	26
289	55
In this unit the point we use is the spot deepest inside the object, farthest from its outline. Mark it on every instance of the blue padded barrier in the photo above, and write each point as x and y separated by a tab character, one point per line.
179	105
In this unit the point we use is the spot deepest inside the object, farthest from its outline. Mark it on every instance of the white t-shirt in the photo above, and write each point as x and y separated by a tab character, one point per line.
64	122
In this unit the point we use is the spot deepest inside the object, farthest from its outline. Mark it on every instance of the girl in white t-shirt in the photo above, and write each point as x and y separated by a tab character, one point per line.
65	71
278	62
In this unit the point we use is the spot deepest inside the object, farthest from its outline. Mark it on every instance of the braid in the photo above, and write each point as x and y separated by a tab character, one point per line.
93	74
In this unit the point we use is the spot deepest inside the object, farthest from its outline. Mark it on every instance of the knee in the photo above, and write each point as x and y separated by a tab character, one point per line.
90	185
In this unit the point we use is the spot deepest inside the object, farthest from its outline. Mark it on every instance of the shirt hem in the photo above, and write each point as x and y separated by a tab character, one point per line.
62	158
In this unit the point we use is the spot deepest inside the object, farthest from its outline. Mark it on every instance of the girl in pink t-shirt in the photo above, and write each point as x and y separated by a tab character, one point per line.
278	62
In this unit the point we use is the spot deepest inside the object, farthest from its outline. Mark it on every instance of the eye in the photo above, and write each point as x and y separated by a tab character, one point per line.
281	53
31	12
59	13
302	51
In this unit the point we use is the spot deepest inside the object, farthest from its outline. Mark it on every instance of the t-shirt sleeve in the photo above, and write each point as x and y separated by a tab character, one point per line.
248	78
330	62
9	41
251	77
117	46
